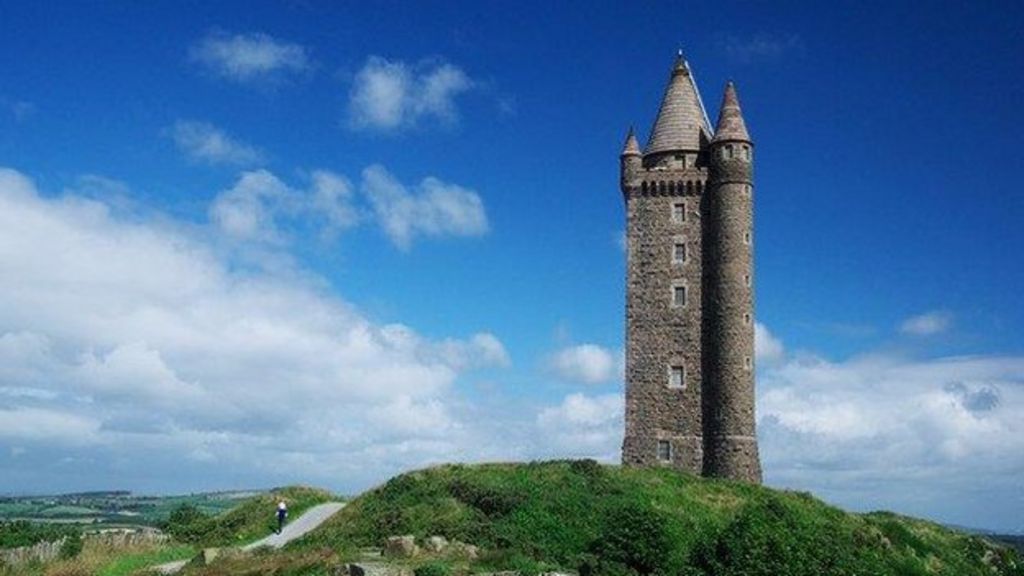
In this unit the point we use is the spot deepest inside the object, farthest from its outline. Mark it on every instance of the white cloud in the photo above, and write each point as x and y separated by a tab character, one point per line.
203	142
927	324
390	95
254	207
34	424
865	431
767	347
136	341
249	57
247	210
585	363
433	208
584	426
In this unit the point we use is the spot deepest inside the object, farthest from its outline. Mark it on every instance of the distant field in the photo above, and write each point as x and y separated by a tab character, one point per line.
113	509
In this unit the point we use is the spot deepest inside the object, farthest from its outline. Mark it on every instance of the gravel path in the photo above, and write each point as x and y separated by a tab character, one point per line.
312	518
309	520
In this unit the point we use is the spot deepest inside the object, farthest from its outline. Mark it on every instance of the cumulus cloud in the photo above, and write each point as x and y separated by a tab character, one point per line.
134	340
249	57
253	209
872	430
432	208
927	324
389	95
586	364
767	347
204	142
585	426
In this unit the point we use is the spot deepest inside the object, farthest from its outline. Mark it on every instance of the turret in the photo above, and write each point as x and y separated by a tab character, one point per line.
630	163
730	439
681	130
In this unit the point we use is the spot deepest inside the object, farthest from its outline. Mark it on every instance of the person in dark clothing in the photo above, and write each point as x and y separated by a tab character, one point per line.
282	513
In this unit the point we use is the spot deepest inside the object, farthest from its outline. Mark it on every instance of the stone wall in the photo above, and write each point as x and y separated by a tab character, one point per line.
41	552
660	334
730	441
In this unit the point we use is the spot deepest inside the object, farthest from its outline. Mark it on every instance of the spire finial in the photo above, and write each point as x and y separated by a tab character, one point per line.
631	147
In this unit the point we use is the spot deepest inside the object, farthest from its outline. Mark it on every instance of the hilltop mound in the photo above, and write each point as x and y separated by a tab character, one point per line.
254	518
618	521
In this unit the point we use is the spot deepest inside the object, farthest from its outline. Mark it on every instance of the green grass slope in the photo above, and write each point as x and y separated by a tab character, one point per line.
619	521
251	520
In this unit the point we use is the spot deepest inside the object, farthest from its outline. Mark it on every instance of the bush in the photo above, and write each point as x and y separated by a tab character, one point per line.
71	547
189	524
634	540
770	536
24	533
492	501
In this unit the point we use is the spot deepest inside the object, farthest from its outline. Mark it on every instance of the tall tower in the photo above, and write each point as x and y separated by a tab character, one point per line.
689	306
730	439
662	188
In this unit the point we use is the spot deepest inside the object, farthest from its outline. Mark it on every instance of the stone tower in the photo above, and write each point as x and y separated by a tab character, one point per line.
689	289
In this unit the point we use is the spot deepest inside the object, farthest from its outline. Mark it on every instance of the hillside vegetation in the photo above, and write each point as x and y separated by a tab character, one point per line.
603	520
252	519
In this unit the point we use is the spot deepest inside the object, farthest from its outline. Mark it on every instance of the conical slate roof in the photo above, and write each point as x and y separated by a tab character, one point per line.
632	147
730	119
681	117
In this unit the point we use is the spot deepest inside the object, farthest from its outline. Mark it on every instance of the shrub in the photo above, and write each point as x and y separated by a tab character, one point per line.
71	547
492	501
634	540
187	523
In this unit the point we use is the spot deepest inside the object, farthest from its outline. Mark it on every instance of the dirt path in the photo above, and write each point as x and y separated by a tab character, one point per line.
309	520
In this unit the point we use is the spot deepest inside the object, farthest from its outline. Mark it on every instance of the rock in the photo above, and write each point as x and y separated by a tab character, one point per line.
436	544
467	551
401	547
208	555
376	569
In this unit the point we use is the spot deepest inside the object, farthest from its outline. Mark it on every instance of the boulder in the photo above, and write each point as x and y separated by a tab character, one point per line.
401	547
463	550
436	544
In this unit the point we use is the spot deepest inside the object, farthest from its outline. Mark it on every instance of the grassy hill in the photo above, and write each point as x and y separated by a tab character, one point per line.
254	518
617	521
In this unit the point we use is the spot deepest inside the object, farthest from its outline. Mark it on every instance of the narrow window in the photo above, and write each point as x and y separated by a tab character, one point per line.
746	280
728	151
679	212
746	152
679	253
676	377
746	238
664	451
679	296
746	363
746	319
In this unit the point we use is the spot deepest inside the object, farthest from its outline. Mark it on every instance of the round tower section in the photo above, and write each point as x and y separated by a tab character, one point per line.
730	438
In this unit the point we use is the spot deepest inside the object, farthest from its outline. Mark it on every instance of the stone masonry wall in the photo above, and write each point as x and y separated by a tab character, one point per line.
730	441
659	334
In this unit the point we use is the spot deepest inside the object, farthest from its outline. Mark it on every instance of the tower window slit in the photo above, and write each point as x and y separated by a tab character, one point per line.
679	253
664	451
676	377
679	212
679	296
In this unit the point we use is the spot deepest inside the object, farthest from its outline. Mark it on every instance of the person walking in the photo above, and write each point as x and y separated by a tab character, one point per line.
282	513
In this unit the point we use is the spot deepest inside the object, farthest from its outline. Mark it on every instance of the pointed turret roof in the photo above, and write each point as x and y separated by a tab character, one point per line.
730	118
681	119
632	147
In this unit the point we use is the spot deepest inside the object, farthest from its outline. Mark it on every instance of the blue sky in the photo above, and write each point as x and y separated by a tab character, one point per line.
274	242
